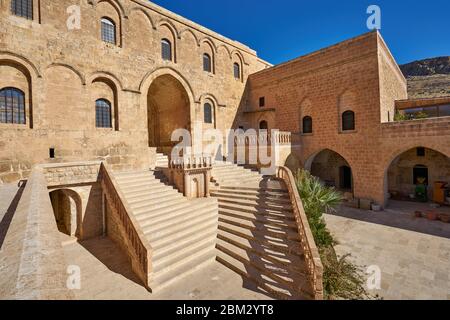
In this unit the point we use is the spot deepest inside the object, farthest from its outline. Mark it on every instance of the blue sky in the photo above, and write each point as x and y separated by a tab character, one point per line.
280	30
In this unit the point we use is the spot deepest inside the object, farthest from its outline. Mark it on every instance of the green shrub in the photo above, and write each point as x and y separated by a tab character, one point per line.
341	278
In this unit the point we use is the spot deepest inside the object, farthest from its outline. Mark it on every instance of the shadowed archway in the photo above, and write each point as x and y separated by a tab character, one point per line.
168	109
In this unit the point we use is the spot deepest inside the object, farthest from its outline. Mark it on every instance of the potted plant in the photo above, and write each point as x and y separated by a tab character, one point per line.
432	216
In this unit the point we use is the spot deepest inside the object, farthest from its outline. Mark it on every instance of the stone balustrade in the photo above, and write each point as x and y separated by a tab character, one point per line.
312	257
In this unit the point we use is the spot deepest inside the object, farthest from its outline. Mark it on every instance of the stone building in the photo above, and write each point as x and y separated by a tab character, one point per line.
104	83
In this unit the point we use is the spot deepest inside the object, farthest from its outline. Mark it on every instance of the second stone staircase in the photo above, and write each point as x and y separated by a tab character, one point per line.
181	232
258	235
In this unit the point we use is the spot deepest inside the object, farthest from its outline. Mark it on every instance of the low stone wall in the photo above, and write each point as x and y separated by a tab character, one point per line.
71	173
32	261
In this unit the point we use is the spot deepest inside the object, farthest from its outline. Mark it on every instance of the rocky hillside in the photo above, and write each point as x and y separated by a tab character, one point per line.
428	78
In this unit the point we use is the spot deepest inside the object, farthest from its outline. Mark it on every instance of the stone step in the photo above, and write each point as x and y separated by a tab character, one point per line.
166	210
280	256
278	275
269	239
282	221
182	269
206	243
125	174
160	195
140	186
261	189
254	210
162	242
160	216
179	226
281	233
175	221
150	202
257	204
275	194
258	221
143	193
159	205
243	267
180	244
257	197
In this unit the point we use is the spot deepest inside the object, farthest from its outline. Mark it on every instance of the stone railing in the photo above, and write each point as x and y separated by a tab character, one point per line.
264	138
312	257
131	235
191	174
190	162
32	262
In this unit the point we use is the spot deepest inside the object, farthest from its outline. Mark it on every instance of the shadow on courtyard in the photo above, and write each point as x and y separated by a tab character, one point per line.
401	215
9	214
110	255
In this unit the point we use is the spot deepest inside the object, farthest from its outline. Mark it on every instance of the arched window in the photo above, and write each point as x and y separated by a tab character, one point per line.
348	121
166	50
307	124
108	31
263	125
12	106
103	114
237	70
22	8
207	65
208	114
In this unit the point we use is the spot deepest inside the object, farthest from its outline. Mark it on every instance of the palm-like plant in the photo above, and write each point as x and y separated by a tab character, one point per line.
317	200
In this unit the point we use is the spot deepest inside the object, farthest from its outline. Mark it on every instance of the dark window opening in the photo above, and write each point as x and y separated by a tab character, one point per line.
22	8
108	31
207	65
12	106
262	102
420	175
237	71
421	152
166	50
103	114
307	125
208	113
51	152
348	121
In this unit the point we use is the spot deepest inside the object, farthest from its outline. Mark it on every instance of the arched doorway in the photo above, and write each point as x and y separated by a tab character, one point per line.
415	171
332	169
168	109
67	210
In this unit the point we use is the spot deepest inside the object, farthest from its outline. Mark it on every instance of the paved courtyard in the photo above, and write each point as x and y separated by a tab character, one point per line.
413	253
106	275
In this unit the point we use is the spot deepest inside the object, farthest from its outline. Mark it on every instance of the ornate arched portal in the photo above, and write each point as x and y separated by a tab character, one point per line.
168	109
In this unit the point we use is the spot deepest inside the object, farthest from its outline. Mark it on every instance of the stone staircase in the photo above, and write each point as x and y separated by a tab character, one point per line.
181	232
229	174
258	236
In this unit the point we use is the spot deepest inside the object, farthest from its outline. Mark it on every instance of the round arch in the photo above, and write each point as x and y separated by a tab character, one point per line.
169	104
78	73
405	165
332	168
68	210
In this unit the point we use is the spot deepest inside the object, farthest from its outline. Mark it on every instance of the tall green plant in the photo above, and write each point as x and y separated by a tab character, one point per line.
317	200
341	278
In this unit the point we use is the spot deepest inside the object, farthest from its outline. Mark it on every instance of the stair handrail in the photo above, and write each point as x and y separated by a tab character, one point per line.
141	249
187	162
312	256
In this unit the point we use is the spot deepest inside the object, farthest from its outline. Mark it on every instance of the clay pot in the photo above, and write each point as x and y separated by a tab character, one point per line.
432	216
418	214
